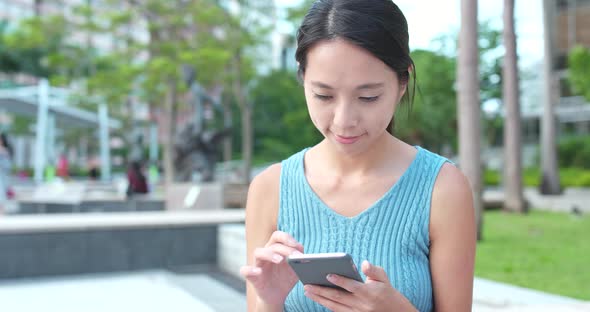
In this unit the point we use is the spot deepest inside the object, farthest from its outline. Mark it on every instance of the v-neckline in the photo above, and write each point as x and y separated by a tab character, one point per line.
330	210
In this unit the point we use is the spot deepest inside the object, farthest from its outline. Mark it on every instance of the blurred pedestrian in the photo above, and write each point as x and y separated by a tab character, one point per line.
63	167
137	180
5	168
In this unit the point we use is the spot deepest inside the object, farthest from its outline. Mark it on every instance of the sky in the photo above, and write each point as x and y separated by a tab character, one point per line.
428	19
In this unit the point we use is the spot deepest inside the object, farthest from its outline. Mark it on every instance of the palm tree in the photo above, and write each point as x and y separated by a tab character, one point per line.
550	175
37	7
468	106
512	130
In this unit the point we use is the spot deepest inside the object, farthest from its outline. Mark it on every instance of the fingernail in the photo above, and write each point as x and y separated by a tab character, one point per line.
277	258
256	270
330	277
296	253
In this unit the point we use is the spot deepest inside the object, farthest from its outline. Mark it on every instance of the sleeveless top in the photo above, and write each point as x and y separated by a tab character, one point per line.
393	233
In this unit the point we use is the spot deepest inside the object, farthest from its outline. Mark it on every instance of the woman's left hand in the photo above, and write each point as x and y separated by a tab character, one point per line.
375	294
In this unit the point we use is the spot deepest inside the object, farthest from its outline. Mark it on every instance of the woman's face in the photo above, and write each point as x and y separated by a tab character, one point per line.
351	95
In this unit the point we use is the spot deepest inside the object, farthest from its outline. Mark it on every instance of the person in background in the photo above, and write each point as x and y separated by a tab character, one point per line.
5	167
137	180
63	167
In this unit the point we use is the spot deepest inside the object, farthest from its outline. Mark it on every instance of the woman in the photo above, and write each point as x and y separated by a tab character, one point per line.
403	212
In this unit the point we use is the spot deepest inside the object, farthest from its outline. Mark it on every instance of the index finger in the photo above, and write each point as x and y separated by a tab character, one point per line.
284	238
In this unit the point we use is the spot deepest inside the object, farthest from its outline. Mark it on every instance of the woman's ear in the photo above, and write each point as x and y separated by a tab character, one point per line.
404	85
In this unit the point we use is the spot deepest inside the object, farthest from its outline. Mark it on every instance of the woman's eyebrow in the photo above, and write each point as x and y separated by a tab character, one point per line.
365	86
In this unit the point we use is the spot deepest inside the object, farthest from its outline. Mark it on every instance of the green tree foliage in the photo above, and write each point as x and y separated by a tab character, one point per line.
283	126
432	123
27	46
579	67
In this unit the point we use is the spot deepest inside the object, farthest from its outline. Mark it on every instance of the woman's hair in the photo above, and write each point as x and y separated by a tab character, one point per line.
377	26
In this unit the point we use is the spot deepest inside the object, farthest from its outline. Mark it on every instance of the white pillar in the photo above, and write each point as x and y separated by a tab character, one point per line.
42	112
105	157
51	140
153	143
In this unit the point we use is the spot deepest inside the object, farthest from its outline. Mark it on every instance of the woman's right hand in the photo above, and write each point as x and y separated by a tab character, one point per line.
270	274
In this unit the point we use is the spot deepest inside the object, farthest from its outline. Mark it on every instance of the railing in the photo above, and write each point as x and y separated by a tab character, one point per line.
573	109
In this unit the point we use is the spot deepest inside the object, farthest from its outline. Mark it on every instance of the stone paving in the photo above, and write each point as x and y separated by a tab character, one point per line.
151	291
159	291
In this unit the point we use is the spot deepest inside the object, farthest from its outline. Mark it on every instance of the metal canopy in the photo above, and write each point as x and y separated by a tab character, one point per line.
48	106
65	116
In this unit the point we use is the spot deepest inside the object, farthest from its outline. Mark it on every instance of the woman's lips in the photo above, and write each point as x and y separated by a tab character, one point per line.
346	139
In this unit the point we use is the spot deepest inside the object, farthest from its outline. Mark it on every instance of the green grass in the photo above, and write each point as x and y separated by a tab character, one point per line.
546	251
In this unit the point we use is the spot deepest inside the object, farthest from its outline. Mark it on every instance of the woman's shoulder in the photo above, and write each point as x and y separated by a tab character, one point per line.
262	204
451	197
263	192
432	156
267	178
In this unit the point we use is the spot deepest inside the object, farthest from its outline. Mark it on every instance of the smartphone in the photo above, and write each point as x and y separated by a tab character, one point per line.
313	268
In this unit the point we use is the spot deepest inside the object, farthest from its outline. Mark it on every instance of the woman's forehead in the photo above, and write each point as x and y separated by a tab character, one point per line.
339	62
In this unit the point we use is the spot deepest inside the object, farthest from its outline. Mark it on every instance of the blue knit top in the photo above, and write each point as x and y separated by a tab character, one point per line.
392	233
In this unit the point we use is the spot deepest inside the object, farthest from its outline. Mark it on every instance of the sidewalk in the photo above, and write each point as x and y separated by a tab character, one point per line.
571	198
491	296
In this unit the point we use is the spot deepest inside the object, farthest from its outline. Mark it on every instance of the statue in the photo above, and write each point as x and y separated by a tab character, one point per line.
196	146
197	151
136	149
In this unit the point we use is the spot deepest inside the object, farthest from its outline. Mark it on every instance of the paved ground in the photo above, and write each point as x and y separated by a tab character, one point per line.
491	296
157	291
572	198
151	291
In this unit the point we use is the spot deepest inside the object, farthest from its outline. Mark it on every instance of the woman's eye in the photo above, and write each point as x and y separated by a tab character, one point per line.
322	97
369	99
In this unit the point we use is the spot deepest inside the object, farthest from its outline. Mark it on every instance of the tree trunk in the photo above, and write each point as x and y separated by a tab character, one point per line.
512	130
37	7
469	106
550	175
227	122
247	140
246	110
171	114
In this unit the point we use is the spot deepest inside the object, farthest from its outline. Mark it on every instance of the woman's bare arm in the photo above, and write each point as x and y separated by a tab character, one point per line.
452	241
262	209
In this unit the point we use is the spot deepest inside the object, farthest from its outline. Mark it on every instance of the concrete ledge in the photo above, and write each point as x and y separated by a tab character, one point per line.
231	248
120	220
67	244
136	203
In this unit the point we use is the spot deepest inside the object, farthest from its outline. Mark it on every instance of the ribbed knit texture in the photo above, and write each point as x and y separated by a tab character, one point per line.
393	233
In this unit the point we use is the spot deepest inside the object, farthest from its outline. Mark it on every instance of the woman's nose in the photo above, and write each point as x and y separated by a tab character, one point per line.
345	116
